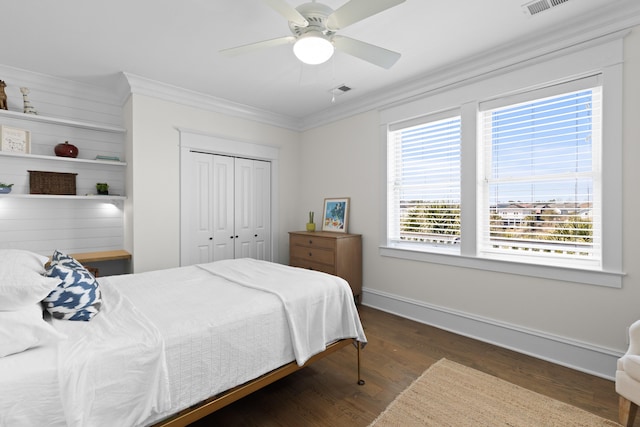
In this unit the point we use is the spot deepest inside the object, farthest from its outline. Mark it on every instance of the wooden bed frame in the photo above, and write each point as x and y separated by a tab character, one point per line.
209	406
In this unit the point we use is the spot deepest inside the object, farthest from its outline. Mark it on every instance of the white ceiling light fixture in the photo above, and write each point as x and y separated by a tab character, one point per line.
314	27
313	48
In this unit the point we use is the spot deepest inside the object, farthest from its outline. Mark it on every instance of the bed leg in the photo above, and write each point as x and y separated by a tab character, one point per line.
360	380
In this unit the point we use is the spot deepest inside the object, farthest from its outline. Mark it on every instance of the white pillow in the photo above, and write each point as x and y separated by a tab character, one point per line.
24	329
22	283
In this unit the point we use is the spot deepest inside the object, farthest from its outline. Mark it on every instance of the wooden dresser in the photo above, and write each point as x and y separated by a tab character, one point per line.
339	254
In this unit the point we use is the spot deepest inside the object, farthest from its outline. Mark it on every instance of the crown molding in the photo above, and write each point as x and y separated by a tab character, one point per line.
592	29
143	86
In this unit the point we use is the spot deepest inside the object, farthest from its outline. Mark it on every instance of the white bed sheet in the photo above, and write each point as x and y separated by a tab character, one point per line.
29	394
215	334
114	361
220	334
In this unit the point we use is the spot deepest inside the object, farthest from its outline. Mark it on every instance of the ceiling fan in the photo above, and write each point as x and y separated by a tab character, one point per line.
314	28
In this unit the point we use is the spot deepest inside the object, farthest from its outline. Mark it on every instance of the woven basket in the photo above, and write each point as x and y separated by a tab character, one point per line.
52	183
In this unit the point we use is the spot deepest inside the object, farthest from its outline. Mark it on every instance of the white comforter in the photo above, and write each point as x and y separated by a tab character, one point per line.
166	340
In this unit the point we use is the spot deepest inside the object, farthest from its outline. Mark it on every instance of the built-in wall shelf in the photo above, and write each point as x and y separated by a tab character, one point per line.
63	159
93	119
62	122
63	196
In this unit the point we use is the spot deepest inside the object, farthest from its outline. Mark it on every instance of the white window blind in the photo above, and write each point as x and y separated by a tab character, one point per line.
424	181
541	190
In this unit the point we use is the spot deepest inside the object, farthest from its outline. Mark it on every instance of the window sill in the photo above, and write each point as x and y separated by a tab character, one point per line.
590	277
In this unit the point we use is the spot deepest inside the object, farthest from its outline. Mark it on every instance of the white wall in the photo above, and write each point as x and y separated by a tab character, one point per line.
342	159
153	222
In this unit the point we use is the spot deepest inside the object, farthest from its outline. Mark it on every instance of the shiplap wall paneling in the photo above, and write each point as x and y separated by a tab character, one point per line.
42	225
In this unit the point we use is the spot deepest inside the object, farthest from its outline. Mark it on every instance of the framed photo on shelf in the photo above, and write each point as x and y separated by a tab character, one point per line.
335	215
15	140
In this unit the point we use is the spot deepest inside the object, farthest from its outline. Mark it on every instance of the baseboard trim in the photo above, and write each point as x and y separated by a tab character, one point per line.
573	354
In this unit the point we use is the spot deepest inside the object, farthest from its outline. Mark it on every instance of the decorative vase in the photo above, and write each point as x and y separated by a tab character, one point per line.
311	226
66	150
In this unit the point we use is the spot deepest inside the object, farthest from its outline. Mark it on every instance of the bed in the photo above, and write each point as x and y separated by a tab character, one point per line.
164	347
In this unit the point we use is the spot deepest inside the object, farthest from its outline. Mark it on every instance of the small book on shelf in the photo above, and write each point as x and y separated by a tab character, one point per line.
111	158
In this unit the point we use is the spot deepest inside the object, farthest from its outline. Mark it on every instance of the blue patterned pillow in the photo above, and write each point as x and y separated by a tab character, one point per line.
77	296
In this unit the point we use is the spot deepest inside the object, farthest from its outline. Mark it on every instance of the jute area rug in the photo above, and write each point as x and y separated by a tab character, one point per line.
450	394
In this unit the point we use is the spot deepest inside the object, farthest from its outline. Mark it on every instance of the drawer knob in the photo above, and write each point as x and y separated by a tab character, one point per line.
310	241
310	254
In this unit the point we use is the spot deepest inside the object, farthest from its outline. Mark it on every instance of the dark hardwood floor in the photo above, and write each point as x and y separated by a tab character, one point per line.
399	350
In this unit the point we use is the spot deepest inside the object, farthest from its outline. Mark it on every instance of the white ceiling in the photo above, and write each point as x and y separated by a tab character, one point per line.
177	43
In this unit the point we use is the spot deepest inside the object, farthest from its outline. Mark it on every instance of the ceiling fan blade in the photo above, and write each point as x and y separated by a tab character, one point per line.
357	10
288	11
374	54
239	50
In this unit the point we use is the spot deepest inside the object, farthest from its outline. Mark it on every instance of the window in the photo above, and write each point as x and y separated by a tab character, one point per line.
424	182
541	192
528	182
539	196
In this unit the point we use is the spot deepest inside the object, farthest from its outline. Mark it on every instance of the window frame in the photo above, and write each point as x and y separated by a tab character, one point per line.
427	120
599	57
534	96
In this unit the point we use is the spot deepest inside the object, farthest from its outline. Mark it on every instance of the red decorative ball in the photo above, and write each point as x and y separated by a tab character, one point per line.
66	150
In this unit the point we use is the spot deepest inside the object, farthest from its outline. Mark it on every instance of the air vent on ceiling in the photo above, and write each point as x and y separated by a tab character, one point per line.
341	88
338	90
534	7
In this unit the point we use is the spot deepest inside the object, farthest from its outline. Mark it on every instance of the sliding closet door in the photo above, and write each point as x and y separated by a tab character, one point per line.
230	214
252	209
222	212
262	209
209	221
243	209
198	219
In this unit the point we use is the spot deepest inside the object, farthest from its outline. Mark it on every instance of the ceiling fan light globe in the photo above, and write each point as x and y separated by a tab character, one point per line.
313	49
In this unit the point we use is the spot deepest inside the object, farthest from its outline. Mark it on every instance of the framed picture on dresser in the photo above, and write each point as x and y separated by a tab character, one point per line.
335	215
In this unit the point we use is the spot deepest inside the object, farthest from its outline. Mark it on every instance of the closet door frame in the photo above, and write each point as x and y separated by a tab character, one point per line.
191	140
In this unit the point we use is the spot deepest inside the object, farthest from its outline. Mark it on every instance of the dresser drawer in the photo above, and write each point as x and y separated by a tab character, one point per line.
324	256
339	254
312	242
305	263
